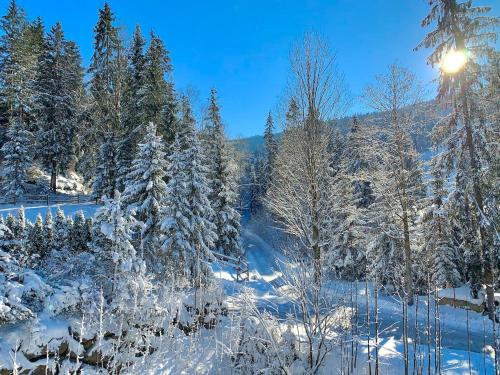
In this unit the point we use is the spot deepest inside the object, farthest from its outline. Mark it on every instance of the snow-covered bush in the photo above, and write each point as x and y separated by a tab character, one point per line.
22	292
201	307
263	347
69	298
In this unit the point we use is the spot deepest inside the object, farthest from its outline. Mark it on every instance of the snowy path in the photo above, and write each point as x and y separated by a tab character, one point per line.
265	279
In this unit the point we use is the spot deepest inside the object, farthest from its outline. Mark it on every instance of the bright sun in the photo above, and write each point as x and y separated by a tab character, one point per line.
453	61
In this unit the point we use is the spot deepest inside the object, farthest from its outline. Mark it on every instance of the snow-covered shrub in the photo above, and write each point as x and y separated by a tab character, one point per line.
22	292
201	307
69	298
263	347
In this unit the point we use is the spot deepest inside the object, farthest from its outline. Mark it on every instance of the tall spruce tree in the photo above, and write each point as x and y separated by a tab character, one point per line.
13	24
191	235
353	198
438	246
133	115
146	189
17	158
59	82
159	104
223	184
105	87
460	27
155	87
270	148
20	47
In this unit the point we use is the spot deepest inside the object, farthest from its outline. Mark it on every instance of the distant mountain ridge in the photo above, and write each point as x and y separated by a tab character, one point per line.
255	143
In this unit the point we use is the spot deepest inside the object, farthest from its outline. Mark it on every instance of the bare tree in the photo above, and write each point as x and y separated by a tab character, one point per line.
396	95
322	314
300	195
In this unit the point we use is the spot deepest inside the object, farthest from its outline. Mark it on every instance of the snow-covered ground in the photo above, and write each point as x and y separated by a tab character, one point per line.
265	283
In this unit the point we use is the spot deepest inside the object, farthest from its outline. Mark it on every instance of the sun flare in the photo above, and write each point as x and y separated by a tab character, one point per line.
453	61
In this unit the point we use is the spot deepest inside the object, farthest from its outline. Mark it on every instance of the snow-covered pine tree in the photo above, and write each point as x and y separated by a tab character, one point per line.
35	242
155	86
31	47
13	24
20	47
270	150
17	158
78	237
353	198
21	231
133	115
10	221
59	83
105	178
489	99
460	27
190	235
48	232
20	224
146	189
255	188
60	231
12	306
112	245
7	242
223	184
129	304
292	116
176	214
159	104
260	163
69	230
171	120
464	232
439	249
106	88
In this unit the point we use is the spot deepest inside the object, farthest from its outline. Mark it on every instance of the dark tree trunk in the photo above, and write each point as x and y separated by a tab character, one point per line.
53	176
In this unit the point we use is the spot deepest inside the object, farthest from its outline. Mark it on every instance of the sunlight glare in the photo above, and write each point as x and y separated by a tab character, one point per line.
453	61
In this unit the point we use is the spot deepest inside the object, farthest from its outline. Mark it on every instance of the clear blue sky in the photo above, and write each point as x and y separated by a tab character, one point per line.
241	46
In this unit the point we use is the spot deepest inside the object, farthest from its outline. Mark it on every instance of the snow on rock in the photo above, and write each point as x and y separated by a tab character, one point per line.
463	294
39	182
461	297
